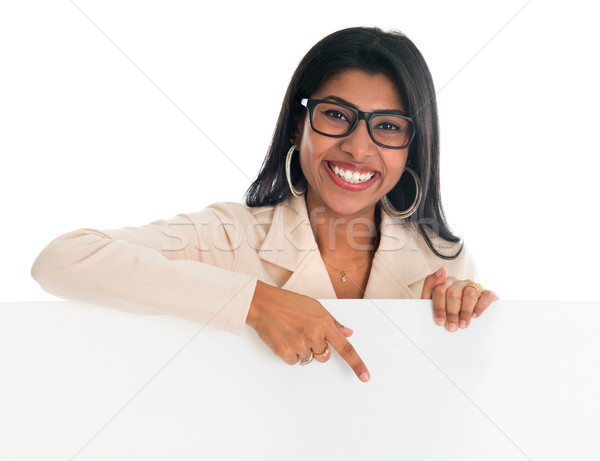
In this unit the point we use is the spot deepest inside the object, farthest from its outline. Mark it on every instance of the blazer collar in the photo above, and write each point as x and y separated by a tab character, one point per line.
290	238
290	244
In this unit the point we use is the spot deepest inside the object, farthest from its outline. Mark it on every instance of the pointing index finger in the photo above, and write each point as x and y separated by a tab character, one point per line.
349	354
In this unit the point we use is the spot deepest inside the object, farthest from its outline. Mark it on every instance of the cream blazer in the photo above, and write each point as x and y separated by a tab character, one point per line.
204	266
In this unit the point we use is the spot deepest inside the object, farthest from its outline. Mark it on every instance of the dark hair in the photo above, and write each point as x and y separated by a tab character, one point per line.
376	52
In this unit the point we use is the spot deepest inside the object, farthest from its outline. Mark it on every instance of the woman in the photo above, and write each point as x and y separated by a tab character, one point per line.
356	141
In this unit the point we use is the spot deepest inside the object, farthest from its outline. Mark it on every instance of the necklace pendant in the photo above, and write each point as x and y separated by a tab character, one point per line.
344	277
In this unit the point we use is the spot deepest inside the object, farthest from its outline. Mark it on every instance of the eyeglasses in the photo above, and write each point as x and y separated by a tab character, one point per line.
337	120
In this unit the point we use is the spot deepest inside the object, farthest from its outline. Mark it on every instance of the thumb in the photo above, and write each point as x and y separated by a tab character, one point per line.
432	280
342	329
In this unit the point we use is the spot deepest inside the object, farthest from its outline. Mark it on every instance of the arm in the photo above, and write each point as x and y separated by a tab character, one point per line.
164	266
184	267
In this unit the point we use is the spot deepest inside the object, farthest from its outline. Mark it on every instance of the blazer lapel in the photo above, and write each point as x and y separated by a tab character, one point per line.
397	264
290	244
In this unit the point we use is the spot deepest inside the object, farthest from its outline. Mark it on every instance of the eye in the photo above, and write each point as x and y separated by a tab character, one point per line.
336	115
388	126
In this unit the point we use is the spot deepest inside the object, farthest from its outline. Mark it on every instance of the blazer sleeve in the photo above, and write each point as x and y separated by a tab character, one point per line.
183	266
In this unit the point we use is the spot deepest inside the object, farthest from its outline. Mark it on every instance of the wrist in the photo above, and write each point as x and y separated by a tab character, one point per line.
256	305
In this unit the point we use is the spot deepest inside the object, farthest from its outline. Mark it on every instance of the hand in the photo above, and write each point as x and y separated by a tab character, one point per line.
453	303
294	325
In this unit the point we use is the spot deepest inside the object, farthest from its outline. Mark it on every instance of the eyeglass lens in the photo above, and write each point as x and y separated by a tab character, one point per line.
336	120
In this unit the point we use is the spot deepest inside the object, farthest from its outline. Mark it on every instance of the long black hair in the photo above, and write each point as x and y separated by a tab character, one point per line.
373	51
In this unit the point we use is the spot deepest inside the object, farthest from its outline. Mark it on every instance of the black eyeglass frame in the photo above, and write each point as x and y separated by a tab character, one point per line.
310	104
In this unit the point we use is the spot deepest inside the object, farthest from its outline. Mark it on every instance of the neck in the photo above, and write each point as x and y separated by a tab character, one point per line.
345	239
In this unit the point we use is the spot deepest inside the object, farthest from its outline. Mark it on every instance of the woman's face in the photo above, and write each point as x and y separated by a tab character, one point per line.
320	155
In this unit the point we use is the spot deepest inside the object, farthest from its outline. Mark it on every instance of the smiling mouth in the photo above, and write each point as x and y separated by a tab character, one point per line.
351	176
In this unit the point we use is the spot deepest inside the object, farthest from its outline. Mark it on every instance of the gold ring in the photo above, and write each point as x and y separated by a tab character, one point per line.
478	287
324	353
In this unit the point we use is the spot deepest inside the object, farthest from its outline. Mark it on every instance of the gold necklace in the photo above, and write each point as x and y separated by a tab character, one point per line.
350	270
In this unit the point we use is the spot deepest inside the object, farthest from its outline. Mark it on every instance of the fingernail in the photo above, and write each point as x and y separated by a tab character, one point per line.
462	323
474	315
439	272
452	326
440	320
364	376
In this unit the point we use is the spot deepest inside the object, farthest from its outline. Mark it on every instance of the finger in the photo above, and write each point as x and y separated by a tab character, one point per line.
439	302
347	352
287	350
288	354
343	330
487	298
322	353
290	359
432	280
454	304
470	297
306	356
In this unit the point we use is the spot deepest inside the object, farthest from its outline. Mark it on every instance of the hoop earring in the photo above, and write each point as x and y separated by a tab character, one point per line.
389	208
288	173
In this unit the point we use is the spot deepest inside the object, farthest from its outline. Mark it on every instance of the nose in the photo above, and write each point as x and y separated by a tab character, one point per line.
359	143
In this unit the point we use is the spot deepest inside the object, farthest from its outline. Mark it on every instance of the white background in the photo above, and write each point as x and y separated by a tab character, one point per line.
118	113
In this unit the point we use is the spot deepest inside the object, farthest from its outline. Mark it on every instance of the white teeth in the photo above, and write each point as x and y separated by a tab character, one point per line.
353	177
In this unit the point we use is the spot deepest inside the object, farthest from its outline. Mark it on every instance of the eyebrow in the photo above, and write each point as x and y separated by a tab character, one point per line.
348	103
